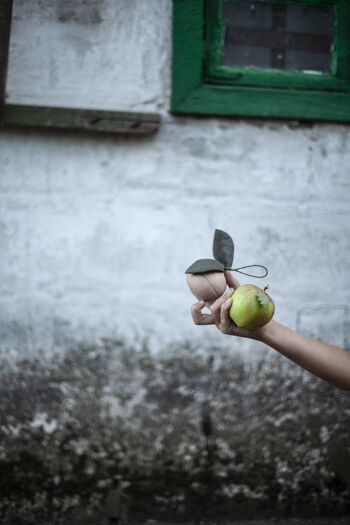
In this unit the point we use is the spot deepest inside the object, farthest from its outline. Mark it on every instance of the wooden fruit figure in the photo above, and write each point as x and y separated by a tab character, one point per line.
206	277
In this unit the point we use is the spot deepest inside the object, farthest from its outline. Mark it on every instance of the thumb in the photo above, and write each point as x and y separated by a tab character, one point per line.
231	281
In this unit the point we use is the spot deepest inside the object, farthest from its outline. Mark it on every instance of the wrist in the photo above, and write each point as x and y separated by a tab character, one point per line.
266	333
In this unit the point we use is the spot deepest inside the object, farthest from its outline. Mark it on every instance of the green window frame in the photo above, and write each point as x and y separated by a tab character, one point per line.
202	85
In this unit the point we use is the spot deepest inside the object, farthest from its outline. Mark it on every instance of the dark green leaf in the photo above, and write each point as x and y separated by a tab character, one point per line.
205	265
262	297
223	248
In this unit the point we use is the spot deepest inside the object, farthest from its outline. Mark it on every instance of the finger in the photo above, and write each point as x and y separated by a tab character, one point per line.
231	281
197	315
225	320
216	306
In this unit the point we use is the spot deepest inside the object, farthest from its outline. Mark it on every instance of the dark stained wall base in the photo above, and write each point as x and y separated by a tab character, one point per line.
194	434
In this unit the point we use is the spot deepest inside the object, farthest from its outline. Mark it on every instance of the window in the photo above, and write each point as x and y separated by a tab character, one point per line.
264	58
67	24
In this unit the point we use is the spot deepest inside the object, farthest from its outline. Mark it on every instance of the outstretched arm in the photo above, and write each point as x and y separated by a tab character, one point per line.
325	361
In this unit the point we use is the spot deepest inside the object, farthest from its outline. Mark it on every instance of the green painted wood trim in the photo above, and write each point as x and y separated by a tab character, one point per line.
188	48
5	25
81	119
195	93
275	79
320	3
342	41
338	81
271	103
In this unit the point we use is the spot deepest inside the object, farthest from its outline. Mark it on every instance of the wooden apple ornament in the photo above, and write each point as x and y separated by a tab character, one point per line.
206	277
207	286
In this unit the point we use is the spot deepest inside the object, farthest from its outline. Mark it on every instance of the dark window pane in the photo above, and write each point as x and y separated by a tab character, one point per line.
290	37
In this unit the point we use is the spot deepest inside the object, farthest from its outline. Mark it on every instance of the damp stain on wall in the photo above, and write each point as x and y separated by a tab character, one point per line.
82	12
192	433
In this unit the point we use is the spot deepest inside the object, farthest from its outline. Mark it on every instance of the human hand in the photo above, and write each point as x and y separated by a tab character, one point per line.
219	313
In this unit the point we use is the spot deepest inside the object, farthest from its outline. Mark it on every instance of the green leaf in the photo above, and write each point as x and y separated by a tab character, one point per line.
205	265
262	297
223	248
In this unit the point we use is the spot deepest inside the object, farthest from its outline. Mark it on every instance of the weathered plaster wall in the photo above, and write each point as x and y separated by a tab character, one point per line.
106	54
195	437
96	232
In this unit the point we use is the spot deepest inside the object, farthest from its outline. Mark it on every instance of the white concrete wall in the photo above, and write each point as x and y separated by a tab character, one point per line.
96	232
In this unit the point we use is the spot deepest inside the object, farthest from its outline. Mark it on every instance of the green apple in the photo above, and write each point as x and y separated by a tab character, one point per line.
251	307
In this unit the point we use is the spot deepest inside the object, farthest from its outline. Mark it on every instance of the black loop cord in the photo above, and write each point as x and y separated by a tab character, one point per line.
250	274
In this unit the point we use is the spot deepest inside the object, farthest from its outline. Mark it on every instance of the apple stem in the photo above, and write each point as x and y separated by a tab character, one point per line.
266	287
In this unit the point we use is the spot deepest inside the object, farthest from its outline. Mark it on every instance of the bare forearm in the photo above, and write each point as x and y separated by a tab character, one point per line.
325	361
